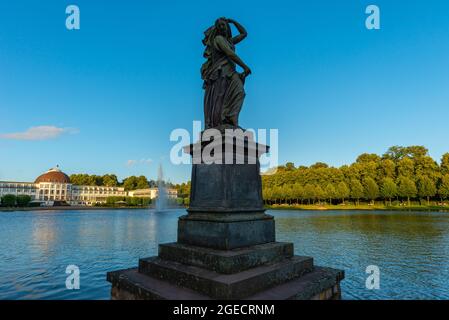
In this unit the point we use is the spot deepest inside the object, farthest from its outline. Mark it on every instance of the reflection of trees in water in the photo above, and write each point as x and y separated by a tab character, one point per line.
412	249
393	224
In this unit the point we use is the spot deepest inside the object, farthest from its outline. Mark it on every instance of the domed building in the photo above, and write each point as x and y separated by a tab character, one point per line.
54	188
54	175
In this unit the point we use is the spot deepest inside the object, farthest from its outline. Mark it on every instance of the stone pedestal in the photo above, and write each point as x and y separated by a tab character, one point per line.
226	246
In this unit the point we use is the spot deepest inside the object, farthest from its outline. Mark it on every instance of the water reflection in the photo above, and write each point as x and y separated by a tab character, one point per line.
411	249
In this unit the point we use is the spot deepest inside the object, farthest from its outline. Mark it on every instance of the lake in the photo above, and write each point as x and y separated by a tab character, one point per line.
411	249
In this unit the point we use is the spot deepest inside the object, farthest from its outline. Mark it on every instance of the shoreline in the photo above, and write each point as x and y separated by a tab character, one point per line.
268	207
77	208
358	208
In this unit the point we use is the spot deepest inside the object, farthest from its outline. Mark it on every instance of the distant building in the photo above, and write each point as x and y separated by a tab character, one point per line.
152	193
55	186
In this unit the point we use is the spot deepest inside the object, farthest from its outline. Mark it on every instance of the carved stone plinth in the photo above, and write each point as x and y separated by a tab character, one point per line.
226	245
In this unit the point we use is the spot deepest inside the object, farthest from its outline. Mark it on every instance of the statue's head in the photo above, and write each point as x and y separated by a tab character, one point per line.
223	28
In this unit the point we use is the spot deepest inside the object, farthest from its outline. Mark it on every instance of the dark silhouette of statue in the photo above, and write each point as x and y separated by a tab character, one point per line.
224	93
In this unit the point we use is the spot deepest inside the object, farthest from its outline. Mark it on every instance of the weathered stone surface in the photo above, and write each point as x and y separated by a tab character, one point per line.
129	284
320	284
222	286
241	192
226	231
226	261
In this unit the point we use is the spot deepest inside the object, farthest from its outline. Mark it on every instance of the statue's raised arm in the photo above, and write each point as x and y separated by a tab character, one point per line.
242	32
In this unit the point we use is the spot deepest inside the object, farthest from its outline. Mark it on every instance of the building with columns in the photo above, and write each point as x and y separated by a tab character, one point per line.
54	187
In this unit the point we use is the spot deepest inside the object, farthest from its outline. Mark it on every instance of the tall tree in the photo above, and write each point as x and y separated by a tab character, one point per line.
330	192
443	189
357	190
426	188
309	192
319	193
406	188
388	190
371	189
342	191
130	183
298	192
406	167
110	180
445	164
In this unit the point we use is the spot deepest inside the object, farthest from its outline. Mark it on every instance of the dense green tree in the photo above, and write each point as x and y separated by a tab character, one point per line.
319	193
406	188
287	190
388	189
371	189
309	192
23	200
387	169
110	180
368	157
142	183
130	183
298	191
426	188
331	193
406	168
357	190
443	190
397	152
445	164
342	191
9	200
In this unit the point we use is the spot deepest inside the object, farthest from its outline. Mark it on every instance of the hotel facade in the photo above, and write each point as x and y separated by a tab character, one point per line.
54	187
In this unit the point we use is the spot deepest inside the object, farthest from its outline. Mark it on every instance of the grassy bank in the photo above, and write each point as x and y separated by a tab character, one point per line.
358	207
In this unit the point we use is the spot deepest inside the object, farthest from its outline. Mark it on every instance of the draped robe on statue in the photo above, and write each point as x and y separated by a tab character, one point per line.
224	93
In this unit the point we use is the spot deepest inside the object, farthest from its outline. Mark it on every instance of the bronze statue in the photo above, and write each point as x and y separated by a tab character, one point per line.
224	93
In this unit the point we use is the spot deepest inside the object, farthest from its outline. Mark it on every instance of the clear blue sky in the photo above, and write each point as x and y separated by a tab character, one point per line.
122	83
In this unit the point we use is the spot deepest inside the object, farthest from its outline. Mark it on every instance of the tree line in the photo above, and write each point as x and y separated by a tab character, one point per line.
111	180
401	174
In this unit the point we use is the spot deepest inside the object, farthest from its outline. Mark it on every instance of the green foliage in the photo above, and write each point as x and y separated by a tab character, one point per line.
443	189
23	200
330	191
404	172
445	164
357	190
406	188
342	191
389	189
9	200
371	189
426	188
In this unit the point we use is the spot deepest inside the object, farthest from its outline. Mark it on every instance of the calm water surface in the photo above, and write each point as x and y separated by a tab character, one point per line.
411	249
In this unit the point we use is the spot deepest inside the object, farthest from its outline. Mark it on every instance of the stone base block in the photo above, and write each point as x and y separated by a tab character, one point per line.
226	286
320	284
226	232
226	261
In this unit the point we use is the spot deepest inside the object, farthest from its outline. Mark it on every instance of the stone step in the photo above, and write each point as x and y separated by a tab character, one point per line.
320	284
129	284
226	286
226	261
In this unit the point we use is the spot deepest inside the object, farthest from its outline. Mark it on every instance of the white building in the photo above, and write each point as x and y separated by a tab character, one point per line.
152	193
55	186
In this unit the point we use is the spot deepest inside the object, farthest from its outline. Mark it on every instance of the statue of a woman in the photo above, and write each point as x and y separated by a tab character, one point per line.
224	93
